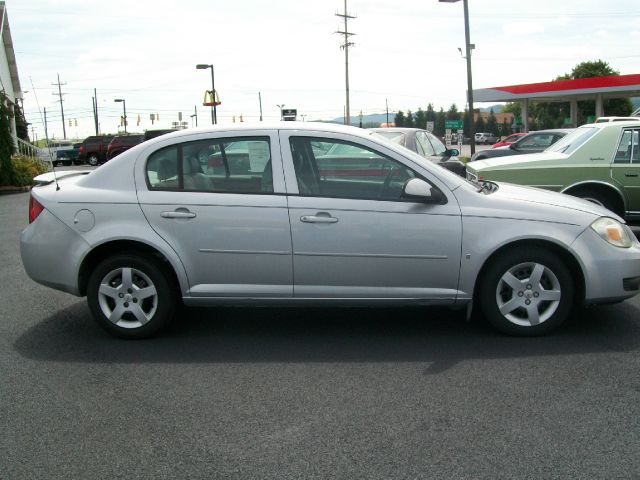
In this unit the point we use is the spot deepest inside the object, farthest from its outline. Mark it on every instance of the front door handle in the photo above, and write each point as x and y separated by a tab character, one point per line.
320	217
178	213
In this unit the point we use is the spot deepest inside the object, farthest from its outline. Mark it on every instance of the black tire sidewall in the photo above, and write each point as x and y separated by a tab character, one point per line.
604	198
507	260
157	273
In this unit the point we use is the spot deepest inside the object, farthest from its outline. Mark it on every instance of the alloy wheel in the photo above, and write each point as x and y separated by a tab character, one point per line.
127	297
528	294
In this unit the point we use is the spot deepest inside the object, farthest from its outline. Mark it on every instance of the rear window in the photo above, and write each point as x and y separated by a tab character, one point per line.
396	137
571	142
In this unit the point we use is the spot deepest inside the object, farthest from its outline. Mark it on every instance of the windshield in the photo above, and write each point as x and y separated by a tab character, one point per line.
570	143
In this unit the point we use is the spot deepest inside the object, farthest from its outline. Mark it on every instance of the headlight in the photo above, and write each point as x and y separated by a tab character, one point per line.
612	231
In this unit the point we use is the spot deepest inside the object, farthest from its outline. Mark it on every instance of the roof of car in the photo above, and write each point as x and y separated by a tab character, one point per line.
552	130
397	129
300	126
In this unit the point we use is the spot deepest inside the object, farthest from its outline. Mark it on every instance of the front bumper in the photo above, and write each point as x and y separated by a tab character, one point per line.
609	271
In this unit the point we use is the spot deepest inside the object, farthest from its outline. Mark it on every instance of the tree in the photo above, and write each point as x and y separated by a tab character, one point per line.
6	144
408	122
430	114
480	125
452	113
513	107
421	119
597	68
492	123
399	119
439	125
22	130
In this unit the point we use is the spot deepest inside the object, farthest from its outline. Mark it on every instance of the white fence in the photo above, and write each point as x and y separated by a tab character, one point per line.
28	150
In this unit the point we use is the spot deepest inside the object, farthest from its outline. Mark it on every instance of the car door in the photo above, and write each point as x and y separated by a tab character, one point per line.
625	168
353	235
219	202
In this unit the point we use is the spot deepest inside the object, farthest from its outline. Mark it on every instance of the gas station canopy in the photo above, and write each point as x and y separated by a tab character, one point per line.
594	88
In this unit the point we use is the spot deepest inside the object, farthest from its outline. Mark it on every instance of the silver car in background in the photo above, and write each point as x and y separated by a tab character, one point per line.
307	214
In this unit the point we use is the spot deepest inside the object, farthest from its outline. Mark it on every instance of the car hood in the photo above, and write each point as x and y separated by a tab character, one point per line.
529	197
513	161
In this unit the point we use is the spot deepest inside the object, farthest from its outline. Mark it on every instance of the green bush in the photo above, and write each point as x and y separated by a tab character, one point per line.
24	169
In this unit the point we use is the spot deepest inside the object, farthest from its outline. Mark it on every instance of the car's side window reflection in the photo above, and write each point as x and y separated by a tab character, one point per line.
331	168
236	165
162	169
628	150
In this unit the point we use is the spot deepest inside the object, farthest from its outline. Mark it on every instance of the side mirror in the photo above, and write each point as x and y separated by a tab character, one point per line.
513	146
452	152
421	191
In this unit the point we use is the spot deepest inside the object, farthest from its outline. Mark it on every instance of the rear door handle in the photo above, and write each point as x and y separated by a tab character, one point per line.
630	174
320	217
179	213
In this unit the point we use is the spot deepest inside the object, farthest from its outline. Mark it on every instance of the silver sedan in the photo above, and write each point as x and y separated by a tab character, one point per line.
301	213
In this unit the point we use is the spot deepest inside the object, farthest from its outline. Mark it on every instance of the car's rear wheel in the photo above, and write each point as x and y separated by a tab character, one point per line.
131	296
93	160
526	292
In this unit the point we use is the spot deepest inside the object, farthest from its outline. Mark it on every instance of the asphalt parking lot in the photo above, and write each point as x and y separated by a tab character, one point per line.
309	393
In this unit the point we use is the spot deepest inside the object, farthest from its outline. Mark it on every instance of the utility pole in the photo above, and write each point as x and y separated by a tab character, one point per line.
95	99
386	101
59	94
46	128
346	46
260	100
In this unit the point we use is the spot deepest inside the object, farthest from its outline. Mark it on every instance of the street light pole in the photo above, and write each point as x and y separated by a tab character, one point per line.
214	112
467	48
124	108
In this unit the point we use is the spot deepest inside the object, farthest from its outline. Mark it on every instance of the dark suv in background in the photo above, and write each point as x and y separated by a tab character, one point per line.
122	143
94	149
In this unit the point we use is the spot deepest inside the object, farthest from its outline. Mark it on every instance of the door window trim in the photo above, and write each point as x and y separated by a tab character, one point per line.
230	139
329	139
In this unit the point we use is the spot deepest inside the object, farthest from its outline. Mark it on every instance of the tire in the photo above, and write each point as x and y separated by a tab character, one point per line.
604	199
132	296
526	292
93	160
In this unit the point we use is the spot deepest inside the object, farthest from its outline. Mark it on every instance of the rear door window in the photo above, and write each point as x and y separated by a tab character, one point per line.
233	165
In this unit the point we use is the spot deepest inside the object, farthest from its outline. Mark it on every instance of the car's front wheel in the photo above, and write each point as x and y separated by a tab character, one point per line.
131	296
526	292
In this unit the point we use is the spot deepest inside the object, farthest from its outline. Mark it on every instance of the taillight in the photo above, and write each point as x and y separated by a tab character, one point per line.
82	149
35	209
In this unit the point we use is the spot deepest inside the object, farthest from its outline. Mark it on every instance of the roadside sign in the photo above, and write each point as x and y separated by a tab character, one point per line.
430	126
453	124
289	114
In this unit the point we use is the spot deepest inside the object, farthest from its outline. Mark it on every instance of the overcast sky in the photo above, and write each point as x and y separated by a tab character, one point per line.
406	52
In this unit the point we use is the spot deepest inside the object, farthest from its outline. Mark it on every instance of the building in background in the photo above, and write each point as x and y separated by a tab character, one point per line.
9	81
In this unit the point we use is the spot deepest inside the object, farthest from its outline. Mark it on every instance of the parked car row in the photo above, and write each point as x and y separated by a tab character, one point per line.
97	149
532	142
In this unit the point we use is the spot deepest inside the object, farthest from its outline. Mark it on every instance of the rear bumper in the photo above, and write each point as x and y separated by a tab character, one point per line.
610	272
52	252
